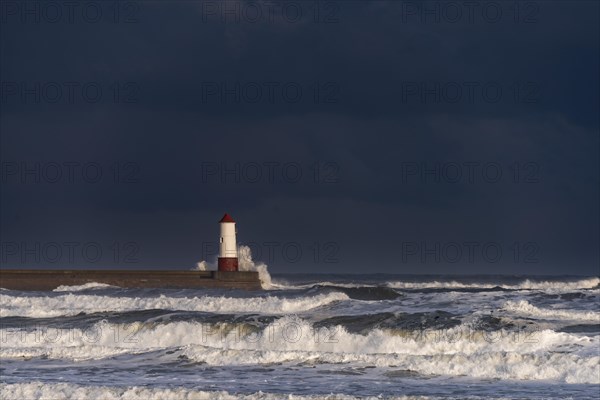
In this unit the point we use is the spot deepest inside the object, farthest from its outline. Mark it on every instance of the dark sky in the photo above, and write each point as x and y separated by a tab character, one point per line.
350	136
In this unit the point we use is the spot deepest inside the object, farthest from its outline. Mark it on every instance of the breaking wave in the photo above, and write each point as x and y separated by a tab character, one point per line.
87	286
590	283
536	355
523	307
73	304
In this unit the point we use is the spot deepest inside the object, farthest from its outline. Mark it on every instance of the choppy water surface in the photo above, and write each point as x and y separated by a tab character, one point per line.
312	336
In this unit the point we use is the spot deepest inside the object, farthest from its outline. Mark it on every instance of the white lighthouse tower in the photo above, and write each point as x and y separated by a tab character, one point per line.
228	258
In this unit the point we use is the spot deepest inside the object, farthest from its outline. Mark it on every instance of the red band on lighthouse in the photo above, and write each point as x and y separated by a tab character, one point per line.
228	264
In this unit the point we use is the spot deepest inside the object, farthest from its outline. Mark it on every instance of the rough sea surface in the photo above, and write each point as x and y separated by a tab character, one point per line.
318	336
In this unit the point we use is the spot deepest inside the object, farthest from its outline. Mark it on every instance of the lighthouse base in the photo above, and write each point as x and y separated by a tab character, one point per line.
228	264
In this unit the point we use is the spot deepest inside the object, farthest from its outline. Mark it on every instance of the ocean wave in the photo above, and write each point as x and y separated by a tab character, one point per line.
589	283
366	292
73	304
533	355
86	286
531	367
283	284
523	307
64	391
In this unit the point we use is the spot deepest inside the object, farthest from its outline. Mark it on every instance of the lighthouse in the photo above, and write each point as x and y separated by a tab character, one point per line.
228	259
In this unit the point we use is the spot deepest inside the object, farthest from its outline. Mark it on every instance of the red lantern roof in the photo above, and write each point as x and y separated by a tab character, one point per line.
226	218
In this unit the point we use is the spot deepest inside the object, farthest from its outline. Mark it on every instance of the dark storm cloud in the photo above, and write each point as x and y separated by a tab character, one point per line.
366	132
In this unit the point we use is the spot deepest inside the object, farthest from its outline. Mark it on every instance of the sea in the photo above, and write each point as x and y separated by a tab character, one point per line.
307	337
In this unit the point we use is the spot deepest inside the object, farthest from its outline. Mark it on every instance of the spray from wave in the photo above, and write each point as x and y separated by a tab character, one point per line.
245	263
204	266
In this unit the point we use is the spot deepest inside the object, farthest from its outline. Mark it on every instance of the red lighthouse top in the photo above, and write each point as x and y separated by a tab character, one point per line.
226	218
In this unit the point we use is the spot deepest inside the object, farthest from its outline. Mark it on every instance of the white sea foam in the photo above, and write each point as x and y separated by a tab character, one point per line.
73	304
523	307
64	391
527	284
537	355
86	286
